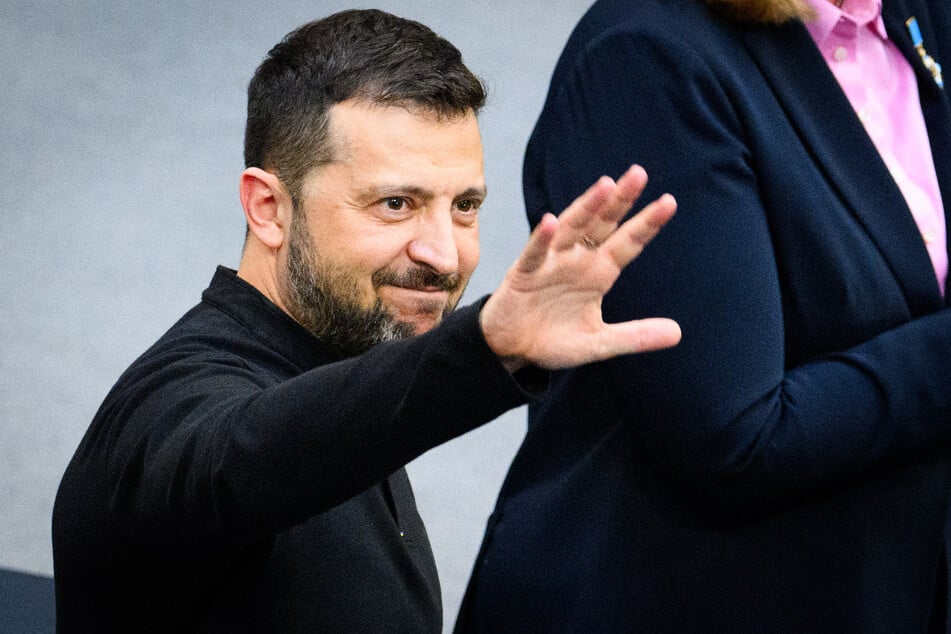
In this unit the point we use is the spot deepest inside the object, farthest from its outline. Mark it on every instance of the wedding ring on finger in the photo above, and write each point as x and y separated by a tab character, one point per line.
589	244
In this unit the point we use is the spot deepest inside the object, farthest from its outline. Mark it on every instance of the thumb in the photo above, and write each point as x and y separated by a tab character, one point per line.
641	335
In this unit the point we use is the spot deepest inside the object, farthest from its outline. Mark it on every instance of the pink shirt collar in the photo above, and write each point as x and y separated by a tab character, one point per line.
860	13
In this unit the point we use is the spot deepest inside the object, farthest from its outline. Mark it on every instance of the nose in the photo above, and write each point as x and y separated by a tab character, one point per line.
434	245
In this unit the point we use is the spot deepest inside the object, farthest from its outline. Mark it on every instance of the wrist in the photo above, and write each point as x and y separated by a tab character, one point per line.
511	362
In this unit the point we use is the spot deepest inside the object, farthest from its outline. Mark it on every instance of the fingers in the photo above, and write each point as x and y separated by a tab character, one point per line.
534	253
575	219
592	220
594	215
629	188
642	335
629	240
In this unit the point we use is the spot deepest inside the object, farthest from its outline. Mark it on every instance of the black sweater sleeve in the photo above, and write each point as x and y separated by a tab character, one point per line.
193	445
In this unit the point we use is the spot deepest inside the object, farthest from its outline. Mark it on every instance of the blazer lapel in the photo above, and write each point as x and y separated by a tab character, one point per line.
809	93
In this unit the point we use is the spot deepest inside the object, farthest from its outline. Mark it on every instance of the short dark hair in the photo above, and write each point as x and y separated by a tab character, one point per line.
359	54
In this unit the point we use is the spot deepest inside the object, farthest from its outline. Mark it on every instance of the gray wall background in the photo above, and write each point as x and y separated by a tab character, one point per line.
121	128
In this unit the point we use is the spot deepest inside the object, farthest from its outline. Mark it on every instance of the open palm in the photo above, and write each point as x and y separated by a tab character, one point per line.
547	310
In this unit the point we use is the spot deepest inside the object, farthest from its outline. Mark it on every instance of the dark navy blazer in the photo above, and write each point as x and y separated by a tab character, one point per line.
786	468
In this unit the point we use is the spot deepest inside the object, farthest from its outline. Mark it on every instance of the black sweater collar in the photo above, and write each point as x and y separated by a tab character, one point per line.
265	321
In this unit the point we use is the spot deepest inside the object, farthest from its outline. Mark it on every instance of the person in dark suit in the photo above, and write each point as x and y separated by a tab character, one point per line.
245	474
786	468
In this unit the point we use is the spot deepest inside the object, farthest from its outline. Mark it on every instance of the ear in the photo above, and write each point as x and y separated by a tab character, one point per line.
267	206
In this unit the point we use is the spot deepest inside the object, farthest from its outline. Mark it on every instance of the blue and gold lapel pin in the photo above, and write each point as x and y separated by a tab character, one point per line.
933	67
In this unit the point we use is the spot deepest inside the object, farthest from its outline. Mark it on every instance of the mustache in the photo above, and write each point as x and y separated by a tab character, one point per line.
417	277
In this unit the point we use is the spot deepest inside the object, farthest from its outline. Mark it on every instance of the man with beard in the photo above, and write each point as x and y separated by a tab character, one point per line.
246	473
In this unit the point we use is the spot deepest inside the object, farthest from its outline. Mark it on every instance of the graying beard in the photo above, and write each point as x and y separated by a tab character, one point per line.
390	331
336	320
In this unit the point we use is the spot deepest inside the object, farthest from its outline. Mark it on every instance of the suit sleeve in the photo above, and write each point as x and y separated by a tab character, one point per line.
724	413
207	455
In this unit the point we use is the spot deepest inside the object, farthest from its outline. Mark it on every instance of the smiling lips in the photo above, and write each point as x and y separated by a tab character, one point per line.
419	307
417	296
418	278
420	289
419	299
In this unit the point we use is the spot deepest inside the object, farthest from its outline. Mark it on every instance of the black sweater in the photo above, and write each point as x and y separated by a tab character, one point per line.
239	477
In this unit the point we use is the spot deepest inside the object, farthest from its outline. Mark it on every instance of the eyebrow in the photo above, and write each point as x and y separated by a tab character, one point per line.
425	194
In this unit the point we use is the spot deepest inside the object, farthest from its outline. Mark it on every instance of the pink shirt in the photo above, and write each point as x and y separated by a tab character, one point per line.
882	88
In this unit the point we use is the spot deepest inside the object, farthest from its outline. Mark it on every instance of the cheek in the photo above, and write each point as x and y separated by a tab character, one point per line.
467	245
370	253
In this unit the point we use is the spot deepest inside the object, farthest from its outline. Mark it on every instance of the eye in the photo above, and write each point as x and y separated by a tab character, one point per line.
466	211
394	208
395	204
467	205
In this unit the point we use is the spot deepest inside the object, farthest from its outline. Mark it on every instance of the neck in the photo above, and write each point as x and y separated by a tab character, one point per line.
259	268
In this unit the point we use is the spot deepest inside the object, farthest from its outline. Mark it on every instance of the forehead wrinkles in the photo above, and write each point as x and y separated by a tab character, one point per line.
343	147
373	138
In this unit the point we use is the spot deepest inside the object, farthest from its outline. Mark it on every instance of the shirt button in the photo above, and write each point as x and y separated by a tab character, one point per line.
863	115
840	53
928	237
